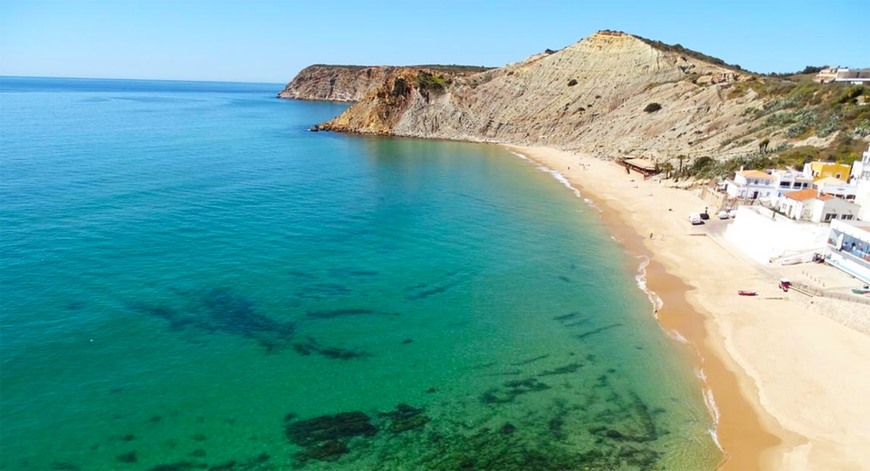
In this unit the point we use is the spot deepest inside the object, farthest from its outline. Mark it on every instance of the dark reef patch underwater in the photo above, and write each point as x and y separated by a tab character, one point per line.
193	281
222	311
351	439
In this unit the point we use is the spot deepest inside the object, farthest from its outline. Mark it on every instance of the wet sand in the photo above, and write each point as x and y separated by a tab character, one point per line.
789	386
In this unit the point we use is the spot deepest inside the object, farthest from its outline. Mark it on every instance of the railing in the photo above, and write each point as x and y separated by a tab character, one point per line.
848	255
811	291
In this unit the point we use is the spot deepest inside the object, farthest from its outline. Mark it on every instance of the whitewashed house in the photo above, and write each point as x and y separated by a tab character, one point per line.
809	205
836	188
790	180
752	185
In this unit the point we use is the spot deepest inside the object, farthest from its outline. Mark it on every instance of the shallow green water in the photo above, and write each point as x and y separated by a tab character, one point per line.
189	277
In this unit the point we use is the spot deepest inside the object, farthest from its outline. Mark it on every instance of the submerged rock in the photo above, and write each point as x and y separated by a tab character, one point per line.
179	466
311	346
129	457
220	310
405	418
327	451
329	427
511	390
325	438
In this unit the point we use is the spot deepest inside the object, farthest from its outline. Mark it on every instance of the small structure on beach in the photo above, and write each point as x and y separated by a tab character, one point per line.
645	167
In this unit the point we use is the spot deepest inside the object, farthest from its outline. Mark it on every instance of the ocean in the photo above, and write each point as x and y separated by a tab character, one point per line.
191	279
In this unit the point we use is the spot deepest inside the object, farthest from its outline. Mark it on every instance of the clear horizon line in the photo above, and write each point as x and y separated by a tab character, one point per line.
138	79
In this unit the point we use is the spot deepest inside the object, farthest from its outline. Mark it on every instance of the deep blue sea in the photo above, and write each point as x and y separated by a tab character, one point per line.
192	280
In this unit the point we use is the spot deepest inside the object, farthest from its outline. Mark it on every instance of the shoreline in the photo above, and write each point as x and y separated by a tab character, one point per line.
779	405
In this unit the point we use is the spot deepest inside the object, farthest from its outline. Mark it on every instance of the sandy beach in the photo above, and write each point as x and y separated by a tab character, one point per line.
790	386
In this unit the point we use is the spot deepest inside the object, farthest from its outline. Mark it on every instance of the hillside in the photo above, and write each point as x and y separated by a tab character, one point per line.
352	82
611	94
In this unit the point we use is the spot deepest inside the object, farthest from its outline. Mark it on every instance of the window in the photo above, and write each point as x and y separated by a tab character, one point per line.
828	217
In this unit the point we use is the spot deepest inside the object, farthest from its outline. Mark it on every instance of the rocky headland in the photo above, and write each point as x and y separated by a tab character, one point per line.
612	94
352	82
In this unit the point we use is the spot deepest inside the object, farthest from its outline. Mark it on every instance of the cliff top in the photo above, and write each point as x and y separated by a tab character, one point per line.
607	34
444	67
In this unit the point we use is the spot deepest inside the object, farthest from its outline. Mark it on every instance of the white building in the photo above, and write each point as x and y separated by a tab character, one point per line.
853	77
790	180
849	248
861	168
809	205
836	188
826	75
843	74
751	184
861	180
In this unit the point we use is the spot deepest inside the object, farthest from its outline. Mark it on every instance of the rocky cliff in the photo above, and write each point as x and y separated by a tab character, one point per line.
352	83
590	97
334	82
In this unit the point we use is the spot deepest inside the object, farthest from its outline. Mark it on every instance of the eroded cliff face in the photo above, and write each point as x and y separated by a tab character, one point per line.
353	83
588	97
335	82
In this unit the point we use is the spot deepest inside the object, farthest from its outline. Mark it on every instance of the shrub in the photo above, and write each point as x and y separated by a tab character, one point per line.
700	165
572	82
652	107
811	69
796	157
862	129
831	125
429	81
803	120
399	87
850	94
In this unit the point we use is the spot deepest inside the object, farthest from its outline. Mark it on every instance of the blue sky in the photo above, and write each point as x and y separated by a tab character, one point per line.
271	40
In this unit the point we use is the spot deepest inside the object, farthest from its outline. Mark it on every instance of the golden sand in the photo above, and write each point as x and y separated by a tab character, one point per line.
791	387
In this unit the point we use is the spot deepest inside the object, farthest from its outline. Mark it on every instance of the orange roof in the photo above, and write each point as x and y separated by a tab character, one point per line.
808	194
755	174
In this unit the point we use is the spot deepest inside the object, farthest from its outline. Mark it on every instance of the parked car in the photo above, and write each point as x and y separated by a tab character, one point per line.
723	214
695	219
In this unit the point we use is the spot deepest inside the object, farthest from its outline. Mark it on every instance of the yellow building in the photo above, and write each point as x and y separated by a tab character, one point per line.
819	170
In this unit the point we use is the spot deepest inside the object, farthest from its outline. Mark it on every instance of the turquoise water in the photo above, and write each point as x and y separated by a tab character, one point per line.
191	280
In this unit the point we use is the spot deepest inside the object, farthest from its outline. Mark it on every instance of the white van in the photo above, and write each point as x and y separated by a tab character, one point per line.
695	219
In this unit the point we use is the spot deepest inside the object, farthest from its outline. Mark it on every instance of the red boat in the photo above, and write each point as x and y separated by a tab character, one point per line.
747	293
